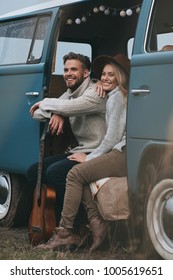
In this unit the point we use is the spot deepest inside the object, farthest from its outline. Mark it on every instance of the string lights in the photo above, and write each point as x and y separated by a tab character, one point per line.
107	11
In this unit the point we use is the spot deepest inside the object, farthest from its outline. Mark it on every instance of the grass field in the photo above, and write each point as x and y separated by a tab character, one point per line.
15	245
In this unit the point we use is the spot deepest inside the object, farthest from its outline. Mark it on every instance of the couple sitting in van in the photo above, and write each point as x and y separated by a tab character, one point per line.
101	146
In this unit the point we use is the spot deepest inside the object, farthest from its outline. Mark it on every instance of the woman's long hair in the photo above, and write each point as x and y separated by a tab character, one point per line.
122	79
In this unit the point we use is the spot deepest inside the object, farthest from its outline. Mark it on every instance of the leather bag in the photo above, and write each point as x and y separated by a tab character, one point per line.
112	199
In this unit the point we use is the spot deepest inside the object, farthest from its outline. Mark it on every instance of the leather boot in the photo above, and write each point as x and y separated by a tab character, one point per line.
61	237
99	229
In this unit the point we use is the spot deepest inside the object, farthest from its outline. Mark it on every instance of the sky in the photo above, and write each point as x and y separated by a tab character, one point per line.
11	5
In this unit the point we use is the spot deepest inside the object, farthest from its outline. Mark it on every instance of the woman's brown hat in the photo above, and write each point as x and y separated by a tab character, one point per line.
119	59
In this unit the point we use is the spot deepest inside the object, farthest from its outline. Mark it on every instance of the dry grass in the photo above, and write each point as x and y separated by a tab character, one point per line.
15	246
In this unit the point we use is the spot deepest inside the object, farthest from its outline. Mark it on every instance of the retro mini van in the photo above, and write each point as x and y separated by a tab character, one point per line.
32	43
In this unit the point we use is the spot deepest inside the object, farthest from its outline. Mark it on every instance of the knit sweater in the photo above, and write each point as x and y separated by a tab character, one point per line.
86	112
115	136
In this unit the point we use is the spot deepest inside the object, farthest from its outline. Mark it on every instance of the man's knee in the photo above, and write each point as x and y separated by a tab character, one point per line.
55	177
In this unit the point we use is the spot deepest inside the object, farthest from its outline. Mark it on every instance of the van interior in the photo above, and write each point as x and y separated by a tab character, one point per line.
99	28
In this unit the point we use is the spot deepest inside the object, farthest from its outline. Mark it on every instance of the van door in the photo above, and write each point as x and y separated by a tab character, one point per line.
150	111
150	93
25	55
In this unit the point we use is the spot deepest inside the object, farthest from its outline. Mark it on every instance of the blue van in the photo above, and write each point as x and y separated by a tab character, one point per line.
32	43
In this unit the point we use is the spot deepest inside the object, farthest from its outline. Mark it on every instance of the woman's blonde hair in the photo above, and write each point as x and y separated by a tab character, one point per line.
122	78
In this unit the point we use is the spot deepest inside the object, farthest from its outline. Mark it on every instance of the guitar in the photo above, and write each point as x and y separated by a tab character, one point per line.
42	221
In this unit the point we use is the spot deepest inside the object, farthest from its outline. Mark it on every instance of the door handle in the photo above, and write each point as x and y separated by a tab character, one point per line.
32	93
142	92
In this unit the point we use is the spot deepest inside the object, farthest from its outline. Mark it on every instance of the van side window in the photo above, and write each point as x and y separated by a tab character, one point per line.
21	41
160	31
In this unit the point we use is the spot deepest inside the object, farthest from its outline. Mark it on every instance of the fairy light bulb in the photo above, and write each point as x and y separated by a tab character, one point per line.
129	12
78	21
102	8
107	12
96	10
69	21
122	13
83	19
138	10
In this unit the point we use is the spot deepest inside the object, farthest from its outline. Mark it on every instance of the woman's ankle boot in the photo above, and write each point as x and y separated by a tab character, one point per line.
99	228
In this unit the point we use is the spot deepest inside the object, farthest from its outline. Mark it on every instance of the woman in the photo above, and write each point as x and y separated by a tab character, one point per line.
107	160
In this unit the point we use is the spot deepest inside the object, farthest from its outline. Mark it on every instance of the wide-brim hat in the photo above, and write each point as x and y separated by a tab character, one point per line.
120	59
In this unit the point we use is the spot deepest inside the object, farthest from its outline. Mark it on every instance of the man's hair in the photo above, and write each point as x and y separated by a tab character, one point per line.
86	64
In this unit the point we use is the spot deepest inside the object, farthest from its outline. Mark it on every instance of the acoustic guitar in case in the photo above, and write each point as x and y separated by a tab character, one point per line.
42	221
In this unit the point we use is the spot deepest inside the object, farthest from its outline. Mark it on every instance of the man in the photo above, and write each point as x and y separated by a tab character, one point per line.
86	112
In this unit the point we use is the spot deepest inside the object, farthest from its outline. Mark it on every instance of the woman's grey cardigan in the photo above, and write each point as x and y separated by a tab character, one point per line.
115	137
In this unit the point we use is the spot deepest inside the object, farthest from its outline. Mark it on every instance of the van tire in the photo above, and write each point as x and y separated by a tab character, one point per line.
147	180
154	196
160	197
14	207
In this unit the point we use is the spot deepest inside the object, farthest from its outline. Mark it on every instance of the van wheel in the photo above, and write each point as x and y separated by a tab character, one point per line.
159	217
9	198
146	183
14	208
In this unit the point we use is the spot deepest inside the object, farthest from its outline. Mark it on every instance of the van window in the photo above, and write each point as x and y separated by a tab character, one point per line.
130	47
160	31
66	47
22	41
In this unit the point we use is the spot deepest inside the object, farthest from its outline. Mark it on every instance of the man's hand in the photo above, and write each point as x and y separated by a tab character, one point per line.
79	157
34	107
100	90
56	124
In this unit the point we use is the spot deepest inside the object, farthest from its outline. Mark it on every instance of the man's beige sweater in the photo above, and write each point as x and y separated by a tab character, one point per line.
86	112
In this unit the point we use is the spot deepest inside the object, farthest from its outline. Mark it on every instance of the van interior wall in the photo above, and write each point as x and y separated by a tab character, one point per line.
57	85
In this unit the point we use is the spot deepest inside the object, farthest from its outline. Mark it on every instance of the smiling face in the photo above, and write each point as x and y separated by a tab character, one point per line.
109	78
74	73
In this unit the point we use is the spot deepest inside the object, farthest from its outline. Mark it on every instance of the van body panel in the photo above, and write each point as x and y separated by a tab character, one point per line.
145	70
150	109
141	149
16	122
21	85
150	129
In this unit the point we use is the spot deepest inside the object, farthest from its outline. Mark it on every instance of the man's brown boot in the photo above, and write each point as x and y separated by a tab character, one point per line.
61	237
99	229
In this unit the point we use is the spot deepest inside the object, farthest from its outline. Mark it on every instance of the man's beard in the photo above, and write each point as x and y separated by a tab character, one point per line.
74	86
